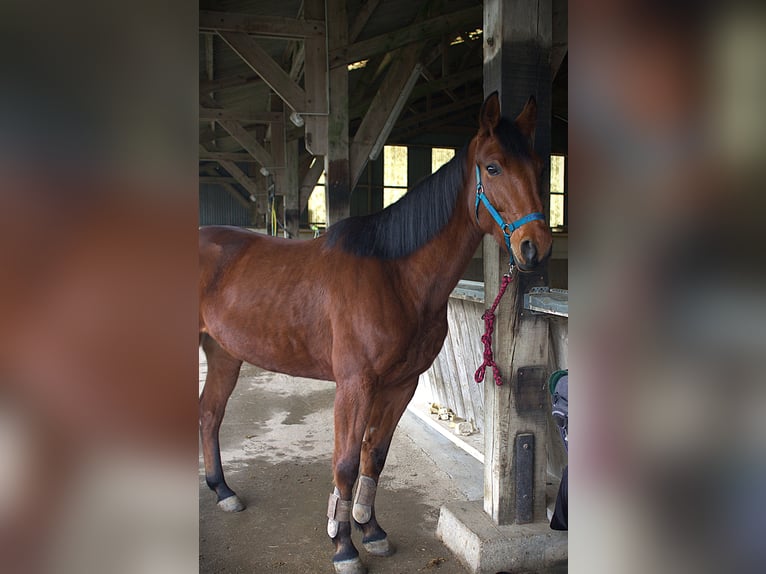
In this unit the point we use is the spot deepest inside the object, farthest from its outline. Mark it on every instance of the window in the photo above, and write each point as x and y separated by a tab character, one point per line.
394	173
557	218
317	205
440	156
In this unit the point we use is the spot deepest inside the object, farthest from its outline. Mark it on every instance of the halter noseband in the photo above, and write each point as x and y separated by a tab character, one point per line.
506	228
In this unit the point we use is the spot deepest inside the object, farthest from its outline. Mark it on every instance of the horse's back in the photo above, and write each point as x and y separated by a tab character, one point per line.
258	293
222	249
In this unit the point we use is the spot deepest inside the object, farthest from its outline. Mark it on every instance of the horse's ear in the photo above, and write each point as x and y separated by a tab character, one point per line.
490	113
528	118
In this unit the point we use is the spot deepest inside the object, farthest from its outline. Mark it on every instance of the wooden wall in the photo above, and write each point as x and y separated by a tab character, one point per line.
449	381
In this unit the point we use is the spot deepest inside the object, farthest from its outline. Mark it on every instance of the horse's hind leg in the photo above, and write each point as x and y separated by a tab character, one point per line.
222	373
387	409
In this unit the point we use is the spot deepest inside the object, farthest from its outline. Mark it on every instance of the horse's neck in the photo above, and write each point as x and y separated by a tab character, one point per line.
433	271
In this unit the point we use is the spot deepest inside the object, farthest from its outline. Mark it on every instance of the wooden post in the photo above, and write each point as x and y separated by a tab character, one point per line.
276	134
517	64
290	189
338	176
316	86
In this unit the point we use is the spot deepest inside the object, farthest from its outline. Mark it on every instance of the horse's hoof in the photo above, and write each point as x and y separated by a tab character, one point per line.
354	566
380	547
231	504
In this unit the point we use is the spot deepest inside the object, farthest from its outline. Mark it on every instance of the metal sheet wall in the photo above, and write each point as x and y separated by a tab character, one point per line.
217	207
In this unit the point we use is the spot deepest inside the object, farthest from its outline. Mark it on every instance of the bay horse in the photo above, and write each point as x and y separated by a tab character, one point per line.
364	305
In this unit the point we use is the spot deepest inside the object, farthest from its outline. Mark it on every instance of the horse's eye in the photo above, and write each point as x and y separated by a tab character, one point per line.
493	169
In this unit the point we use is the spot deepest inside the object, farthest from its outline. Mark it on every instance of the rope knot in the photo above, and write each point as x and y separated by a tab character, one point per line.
489	327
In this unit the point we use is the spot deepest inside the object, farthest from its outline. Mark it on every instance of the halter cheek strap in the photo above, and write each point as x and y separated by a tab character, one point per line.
506	228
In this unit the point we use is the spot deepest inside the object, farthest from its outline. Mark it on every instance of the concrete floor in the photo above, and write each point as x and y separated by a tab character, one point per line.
276	442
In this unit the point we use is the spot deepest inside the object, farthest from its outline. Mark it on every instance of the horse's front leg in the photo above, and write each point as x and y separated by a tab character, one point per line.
387	409
353	401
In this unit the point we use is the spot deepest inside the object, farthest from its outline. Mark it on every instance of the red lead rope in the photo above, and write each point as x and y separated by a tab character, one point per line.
486	338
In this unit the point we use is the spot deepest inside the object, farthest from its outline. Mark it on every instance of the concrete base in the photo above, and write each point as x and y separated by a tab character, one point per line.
485	548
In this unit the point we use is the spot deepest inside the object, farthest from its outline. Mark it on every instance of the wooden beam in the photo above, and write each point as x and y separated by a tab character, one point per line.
338	188
382	109
209	57
291	190
560	38
427	29
265	66
297	61
310	180
216	179
237	80
206	135
316	134
231	156
272	26
276	135
247	141
315	70
424	89
241	115
435	113
242	178
362	16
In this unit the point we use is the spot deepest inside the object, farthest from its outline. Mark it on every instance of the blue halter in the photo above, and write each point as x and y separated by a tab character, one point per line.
507	228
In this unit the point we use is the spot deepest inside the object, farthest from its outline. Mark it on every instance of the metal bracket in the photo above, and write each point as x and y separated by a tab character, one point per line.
545	300
525	473
530	389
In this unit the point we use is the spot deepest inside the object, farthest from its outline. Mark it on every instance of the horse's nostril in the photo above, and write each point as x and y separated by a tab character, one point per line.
529	252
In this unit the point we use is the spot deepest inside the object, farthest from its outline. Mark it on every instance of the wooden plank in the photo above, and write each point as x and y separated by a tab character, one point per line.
382	108
240	115
209	59
444	83
362	16
560	43
276	136
232	156
424	30
456	363
235	81
316	134
421	90
414	123
216	179
278	143
316	69
463	358
443	397
247	141
264	65
258	25
291	190
559	328
475	329
449	370
242	178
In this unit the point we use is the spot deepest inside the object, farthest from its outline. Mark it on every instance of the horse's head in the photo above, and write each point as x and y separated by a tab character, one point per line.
507	171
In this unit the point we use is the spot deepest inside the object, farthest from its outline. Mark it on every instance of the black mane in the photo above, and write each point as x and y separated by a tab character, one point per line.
408	224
